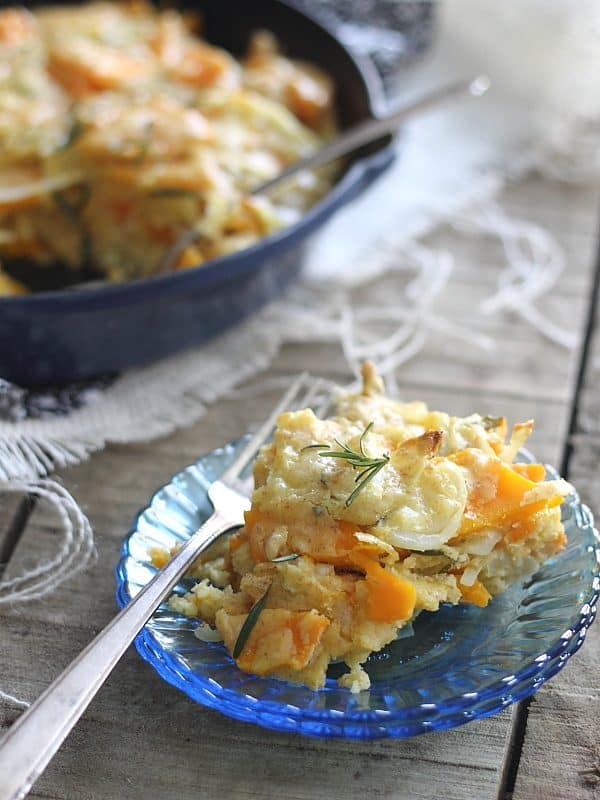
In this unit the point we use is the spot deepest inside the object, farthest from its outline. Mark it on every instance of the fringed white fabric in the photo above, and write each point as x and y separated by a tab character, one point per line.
408	323
74	552
535	262
147	403
141	405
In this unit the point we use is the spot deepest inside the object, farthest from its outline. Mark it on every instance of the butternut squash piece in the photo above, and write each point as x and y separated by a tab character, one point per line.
496	497
390	597
535	472
280	639
476	594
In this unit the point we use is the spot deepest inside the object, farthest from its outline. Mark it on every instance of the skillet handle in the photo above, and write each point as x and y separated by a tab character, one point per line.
373	129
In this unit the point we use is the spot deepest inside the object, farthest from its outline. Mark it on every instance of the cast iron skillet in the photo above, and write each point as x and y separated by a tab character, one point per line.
54	337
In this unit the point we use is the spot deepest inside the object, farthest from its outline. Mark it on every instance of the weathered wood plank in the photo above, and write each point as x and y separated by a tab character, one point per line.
113	485
561	754
141	738
14	511
552	204
169	747
459	367
463	298
576	244
194	751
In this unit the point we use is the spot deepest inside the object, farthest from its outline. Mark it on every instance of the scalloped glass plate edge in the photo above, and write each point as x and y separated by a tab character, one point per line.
402	723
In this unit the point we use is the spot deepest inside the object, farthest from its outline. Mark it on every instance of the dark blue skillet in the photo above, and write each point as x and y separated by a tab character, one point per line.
55	337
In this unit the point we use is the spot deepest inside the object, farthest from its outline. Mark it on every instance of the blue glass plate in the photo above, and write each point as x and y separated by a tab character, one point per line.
462	663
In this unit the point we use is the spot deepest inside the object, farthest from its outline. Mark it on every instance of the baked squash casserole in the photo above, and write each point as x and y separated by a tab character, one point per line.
361	521
121	128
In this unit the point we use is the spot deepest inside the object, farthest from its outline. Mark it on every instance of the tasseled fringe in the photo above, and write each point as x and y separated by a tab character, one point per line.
74	553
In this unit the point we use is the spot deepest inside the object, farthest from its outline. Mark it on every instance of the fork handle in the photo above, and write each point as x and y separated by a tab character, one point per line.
38	733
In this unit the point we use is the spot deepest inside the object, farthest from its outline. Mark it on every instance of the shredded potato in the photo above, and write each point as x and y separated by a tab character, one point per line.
161	131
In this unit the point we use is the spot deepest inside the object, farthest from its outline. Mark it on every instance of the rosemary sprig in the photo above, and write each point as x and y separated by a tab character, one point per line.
288	557
249	624
369	467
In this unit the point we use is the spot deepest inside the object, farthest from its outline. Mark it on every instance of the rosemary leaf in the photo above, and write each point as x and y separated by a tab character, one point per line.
358	459
249	624
345	448
362	437
365	471
365	481
288	557
344	455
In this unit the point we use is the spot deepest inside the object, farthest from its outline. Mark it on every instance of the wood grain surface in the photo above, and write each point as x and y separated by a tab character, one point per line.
561	748
142	739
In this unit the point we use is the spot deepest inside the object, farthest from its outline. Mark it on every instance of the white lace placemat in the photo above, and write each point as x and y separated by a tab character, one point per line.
543	57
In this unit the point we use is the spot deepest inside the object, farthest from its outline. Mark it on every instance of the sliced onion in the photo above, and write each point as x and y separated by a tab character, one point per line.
375	541
482	544
207	634
470	574
416	541
409	540
546	490
23	191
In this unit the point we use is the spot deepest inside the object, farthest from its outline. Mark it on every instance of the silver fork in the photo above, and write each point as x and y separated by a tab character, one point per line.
36	736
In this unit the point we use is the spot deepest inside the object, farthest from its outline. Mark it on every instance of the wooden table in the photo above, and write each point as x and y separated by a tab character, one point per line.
142	739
